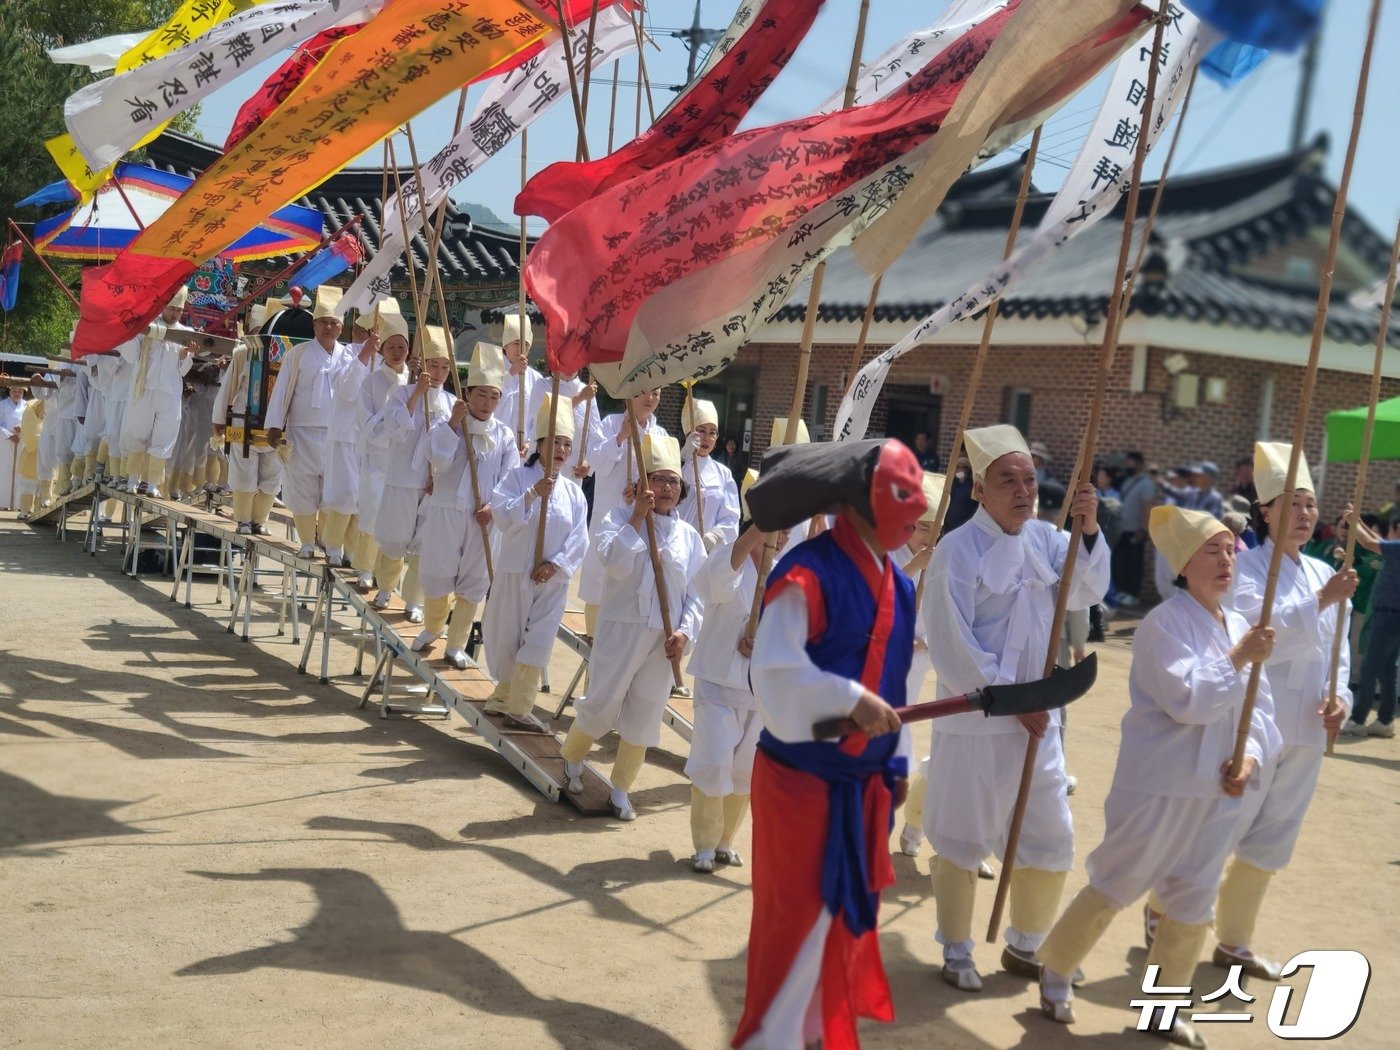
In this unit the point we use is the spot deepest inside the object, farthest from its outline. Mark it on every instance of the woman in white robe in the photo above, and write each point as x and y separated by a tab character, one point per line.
11	436
711	506
389	375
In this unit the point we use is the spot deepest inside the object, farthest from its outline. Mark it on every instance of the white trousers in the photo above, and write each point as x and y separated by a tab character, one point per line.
521	621
1175	846
972	786
304	477
629	682
9	475
55	445
89	433
1272	816
451	557
373	471
722	746
258	471
112	425
794	1018
342	479
151	425
396	519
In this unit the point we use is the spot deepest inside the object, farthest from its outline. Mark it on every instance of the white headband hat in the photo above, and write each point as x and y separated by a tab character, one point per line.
563	418
435	343
488	366
661	453
181	297
705	412
986	445
933	492
1271	470
1180	533
514	330
328	297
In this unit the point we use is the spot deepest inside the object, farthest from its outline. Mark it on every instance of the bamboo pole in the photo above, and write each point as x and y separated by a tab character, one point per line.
524	350
1305	395
858	353
1089	440
588	68
582	149
612	107
1362	467
587	421
432	238
804	352
634	435
407	247
643	79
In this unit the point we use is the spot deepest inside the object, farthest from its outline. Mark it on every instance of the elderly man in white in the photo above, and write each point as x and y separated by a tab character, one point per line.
151	422
988	603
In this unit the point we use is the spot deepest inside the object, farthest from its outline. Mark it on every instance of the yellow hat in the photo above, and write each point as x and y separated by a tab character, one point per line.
705	412
488	366
661	453
986	445
388	320
514	330
933	492
563	418
255	316
1271	470
750	476
272	308
435	343
181	297
1179	533
780	431
328	297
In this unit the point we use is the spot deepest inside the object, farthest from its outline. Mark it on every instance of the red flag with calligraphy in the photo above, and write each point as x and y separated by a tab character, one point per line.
711	107
277	88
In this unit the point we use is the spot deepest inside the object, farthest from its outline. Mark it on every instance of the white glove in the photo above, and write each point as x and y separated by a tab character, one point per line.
691	444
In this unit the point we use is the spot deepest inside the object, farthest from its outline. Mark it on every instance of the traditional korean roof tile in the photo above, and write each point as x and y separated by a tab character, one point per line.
1236	246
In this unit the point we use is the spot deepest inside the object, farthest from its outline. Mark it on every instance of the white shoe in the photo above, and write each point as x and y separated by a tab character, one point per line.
986	871
153	492
364	581
381	600
574	772
1056	998
424	639
335	557
457	658
414	613
911	840
622	805
729	855
1071	785
1350	728
308	550
703	862
1127	601
962	974
1381	729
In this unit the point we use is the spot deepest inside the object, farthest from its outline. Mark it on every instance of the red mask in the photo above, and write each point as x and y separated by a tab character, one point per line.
896	495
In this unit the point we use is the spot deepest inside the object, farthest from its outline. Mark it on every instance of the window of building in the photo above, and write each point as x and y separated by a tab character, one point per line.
817	424
1017	410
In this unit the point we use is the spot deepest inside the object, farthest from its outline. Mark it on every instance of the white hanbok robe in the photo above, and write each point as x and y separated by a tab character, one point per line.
629	677
988	602
89	432
375	391
726	715
721	523
151	422
614	466
451	551
1298	674
403	437
119	377
11	416
301	406
1169	825
261	469
522	617
508	408
196	421
342	485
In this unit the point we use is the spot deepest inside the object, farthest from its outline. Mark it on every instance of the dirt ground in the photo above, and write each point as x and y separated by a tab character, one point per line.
198	846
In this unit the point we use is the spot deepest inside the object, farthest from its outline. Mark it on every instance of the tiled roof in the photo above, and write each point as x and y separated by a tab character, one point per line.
1214	232
470	257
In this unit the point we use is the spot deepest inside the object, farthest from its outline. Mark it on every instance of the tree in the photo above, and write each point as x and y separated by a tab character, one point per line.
32	92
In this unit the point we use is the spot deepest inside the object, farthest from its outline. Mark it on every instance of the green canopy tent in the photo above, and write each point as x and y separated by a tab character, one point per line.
1345	428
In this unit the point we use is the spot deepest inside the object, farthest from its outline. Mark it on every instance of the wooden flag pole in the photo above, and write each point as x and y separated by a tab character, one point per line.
1305	395
567	36
858	352
587	422
548	467
804	352
1089	440
634	435
612	107
588	67
407	249
431	239
520	306
1363	465
42	262
644	80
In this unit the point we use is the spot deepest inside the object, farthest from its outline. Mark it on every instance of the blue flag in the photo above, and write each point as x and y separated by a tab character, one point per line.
1228	62
1275	25
9	276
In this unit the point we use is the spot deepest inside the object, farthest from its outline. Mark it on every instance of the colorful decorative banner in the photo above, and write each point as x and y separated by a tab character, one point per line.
395	67
69	160
742	64
97	55
277	88
1274	25
331	261
9	275
1098	180
511	102
108	117
191	19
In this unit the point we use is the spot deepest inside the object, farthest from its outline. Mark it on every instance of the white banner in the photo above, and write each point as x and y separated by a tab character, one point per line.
109	117
1100	177
511	102
98	55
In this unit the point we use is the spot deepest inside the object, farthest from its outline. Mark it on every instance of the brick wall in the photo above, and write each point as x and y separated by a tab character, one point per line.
1060	381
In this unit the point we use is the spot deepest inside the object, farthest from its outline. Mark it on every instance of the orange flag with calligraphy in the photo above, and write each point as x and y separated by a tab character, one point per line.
409	56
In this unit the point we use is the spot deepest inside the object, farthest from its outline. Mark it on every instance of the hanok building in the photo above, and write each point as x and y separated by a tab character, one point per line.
1212	350
479	267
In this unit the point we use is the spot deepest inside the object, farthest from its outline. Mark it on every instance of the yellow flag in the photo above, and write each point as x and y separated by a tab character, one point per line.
191	18
66	155
404	60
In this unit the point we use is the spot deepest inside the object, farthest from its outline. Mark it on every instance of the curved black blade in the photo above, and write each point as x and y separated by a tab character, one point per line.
1064	686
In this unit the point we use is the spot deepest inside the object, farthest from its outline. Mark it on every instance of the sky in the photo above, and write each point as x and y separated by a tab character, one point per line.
1224	127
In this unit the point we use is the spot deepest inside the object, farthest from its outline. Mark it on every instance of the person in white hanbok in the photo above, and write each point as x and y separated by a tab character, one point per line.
301	408
31	428
401	428
613	463
1171	812
256	477
527	600
521	382
11	435
455	532
120	378
341	499
89	433
151	421
988	603
391	373
629	672
1310	598
712	504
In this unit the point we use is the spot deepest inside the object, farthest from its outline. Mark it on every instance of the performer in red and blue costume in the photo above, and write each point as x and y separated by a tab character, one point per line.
836	639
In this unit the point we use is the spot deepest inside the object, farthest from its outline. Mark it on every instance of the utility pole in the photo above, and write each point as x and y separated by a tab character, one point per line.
695	38
1307	76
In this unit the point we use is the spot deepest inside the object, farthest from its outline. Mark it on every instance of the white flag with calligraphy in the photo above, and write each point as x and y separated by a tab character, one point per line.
512	102
109	117
1098	180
